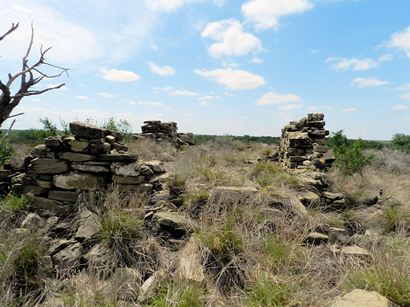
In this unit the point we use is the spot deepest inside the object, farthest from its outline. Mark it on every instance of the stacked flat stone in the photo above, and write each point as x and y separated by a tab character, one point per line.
165	131
303	144
92	159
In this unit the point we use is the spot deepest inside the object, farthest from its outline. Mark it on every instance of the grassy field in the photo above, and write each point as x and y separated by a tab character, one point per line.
251	253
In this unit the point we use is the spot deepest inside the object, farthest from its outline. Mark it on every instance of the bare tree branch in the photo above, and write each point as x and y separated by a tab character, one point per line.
30	75
15	115
12	29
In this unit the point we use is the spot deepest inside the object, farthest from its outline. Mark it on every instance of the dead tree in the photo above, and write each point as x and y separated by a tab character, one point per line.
25	79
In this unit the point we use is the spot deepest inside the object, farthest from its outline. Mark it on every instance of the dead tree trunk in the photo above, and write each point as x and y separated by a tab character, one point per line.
29	76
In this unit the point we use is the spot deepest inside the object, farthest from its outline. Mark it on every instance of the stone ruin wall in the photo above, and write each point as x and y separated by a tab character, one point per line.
59	170
165	131
302	144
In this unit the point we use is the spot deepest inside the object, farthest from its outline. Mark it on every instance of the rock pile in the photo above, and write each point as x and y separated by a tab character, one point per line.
165	131
303	144
59	170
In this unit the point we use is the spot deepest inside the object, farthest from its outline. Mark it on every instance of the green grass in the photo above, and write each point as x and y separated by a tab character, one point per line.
222	242
393	218
10	208
267	293
179	294
391	283
280	253
120	226
271	174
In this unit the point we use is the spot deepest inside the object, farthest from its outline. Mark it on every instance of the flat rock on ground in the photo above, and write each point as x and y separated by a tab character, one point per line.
362	298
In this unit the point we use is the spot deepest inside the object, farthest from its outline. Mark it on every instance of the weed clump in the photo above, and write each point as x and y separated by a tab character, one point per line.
179	293
265	292
119	226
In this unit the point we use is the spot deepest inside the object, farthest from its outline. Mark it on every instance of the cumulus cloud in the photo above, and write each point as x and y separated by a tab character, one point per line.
256	61
230	39
400	107
233	79
405	91
343	64
265	14
368	82
277	99
401	41
161	70
119	75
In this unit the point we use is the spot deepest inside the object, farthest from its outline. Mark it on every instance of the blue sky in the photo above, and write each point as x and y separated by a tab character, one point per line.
220	67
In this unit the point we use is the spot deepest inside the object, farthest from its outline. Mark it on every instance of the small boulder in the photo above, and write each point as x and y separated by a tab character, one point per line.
77	181
362	298
89	226
69	257
87	131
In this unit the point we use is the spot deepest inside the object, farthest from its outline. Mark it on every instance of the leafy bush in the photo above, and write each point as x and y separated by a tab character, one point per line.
350	157
121	126
402	142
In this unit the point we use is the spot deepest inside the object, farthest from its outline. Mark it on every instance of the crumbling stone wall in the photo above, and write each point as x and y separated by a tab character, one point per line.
92	159
165	131
303	144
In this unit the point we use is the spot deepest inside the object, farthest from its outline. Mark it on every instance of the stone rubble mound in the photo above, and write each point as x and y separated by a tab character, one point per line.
303	144
165	131
89	160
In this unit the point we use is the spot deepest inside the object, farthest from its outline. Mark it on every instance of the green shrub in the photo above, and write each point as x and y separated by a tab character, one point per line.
120	126
350	157
49	128
393	284
402	142
119	226
268	293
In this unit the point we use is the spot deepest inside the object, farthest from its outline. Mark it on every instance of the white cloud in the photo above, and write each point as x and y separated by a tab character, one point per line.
149	103
265	14
219	3
256	61
177	92
165	5
401	41
405	96
233	79
343	64
106	95
162	71
277	99
230	39
81	97
368	82
400	107
119	75
349	110
77	36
